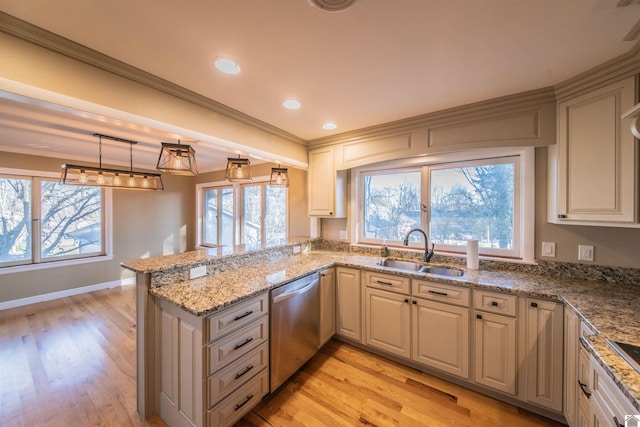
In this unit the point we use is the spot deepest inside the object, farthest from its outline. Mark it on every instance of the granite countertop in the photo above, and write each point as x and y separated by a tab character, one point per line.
610	308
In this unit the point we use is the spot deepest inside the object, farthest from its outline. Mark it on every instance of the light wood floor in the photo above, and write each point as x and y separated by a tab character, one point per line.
71	362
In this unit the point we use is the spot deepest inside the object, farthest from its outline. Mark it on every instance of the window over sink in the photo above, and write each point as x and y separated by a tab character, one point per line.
485	195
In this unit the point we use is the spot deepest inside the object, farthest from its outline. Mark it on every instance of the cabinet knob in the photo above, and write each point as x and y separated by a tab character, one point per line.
406	300
534	304
415	302
494	303
479	316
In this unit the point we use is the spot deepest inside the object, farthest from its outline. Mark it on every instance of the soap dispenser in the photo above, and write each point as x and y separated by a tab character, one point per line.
384	250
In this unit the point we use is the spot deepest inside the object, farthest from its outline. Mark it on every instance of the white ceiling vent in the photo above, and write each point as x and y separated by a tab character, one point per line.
331	5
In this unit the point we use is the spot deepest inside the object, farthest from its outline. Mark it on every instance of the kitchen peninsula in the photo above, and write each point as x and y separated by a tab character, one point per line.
605	307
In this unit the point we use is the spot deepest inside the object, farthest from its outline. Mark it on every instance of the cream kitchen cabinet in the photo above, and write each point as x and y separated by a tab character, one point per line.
441	336
594	166
543	353
213	370
608	405
327	187
571	362
495	341
327	305
348	303
387	321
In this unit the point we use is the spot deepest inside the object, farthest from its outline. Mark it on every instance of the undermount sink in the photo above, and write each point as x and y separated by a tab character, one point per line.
420	268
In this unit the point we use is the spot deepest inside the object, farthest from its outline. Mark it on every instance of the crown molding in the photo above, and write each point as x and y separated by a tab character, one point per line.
35	35
622	66
478	110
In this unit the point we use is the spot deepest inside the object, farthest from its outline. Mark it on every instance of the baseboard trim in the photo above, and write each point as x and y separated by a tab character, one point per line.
6	305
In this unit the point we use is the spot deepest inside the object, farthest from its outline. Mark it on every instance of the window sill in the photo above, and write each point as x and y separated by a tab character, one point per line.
53	264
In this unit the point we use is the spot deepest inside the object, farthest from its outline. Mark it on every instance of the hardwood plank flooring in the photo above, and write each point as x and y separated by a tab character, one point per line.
346	386
71	362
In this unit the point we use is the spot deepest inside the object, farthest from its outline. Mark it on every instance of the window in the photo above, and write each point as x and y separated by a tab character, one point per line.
254	214
455	199
42	221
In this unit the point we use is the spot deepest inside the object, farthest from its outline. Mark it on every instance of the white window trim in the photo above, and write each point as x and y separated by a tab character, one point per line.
108	230
526	196
237	208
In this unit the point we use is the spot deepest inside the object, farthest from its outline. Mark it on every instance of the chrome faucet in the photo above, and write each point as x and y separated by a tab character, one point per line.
427	253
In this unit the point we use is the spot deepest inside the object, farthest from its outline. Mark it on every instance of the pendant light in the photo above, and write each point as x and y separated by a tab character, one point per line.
114	178
177	159
238	170
279	177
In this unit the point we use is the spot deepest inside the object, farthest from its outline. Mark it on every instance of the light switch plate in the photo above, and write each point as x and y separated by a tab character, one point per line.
549	249
585	253
196	272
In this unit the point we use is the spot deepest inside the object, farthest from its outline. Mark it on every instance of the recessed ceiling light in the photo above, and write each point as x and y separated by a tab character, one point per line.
329	126
227	66
292	104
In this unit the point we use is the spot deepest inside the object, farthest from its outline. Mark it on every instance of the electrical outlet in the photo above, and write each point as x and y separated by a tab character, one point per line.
296	249
196	272
585	253
549	249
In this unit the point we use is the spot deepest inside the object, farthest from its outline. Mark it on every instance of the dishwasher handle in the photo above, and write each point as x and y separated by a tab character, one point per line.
289	295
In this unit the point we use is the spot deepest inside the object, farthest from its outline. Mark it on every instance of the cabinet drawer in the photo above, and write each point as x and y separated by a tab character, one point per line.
607	393
450	294
236	345
240	402
387	282
237	373
495	302
236	316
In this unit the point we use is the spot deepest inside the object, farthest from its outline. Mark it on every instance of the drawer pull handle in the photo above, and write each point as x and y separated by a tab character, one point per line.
246	400
444	294
406	300
534	304
243	373
494	303
615	420
384	283
247	341
583	387
242	316
414	302
479	316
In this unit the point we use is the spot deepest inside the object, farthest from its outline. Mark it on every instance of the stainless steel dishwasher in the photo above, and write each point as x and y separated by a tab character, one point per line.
295	331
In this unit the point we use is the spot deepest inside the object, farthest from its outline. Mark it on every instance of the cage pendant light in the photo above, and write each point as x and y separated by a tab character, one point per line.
238	170
279	177
177	159
113	178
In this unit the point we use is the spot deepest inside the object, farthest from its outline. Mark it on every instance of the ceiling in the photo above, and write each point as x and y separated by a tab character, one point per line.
375	62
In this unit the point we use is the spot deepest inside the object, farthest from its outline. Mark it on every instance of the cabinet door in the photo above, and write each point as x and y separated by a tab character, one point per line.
327	187
348	300
495	352
596	160
181	386
388	322
543	353
327	305
585	387
441	336
571	356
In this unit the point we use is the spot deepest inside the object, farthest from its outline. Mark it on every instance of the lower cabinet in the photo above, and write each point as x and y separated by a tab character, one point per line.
495	352
327	293
571	352
543	353
348	303
387	322
608	405
213	370
441	336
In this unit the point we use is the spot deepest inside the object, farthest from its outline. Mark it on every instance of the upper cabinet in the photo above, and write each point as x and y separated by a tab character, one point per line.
593	169
327	187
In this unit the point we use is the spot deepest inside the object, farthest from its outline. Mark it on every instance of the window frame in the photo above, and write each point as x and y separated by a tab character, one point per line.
238	238
37	262
524	197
